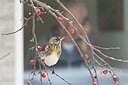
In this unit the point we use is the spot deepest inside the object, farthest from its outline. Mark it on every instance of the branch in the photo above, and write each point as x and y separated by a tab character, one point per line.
104	62
41	63
110	48
25	24
110	57
1	58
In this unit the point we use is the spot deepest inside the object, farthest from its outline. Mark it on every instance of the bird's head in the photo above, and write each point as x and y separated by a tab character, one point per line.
56	40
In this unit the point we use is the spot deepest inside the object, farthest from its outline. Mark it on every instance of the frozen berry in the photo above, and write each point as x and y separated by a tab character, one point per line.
86	56
73	30
59	19
43	74
39	49
105	71
31	62
115	78
37	12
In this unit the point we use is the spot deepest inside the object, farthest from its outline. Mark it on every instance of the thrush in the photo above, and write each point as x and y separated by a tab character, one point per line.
51	51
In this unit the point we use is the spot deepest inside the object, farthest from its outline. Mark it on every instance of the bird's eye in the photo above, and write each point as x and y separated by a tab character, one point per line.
57	39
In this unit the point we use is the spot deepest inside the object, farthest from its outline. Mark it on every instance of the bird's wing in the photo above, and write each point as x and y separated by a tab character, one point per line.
47	49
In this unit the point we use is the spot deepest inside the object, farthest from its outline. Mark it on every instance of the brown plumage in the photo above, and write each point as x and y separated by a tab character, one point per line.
51	51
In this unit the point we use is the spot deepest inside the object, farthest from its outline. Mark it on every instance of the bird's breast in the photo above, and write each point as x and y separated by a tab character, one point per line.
51	59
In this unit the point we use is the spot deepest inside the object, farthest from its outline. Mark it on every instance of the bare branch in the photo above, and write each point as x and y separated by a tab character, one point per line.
110	48
41	63
25	24
1	58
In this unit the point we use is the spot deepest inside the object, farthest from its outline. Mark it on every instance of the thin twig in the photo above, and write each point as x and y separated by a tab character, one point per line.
110	48
110	57
36	44
62	78
25	24
1	58
41	63
99	64
54	73
15	31
104	62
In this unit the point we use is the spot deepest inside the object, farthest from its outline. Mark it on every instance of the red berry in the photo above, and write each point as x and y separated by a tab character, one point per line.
37	12
31	62
39	49
73	30
43	75
86	56
59	19
115	78
105	71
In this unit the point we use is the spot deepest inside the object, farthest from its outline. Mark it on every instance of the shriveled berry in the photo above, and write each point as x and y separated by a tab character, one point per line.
86	56
59	19
43	74
39	49
31	62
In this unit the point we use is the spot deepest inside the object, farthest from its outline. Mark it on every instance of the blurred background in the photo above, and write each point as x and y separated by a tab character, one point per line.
107	21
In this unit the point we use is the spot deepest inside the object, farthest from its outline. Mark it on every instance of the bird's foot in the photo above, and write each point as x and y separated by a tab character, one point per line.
53	71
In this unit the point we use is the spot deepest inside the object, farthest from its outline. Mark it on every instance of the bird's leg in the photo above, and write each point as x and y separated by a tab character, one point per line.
53	71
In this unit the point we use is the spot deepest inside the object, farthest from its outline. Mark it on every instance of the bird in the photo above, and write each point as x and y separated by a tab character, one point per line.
51	51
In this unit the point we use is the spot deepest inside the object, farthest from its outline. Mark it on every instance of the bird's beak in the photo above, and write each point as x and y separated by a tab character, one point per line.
62	38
